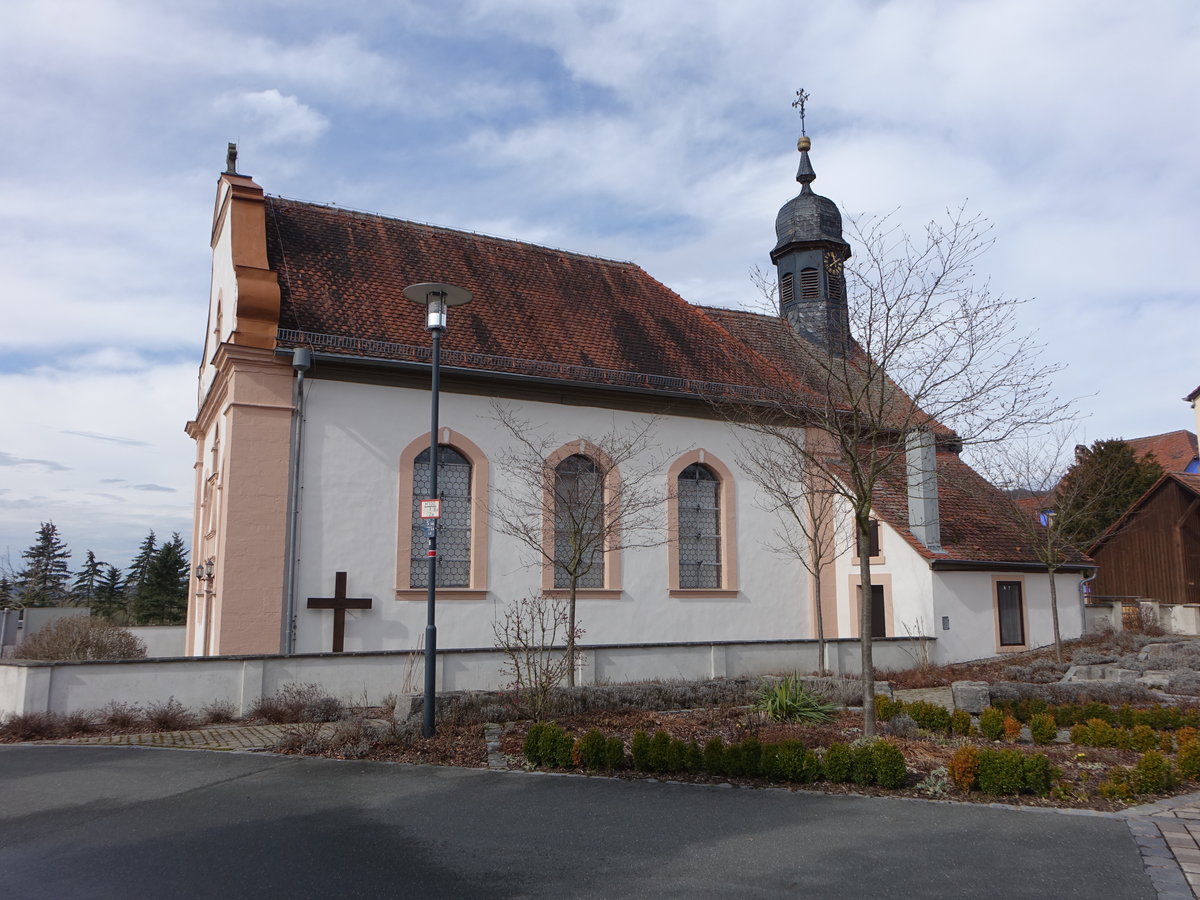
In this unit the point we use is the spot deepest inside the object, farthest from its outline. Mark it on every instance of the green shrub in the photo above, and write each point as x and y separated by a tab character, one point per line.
1166	742
837	763
1142	738
614	753
1082	735
751	757
963	768
1116	786
733	761
890	770
886	708
1097	710
862	762
714	756
1042	728
555	747
1153	774
1066	715
930	716
695	757
660	747
532	747
677	756
787	700
1039	774
591	749
1001	771
1102	734
960	722
641	751
1188	760
1030	707
991	723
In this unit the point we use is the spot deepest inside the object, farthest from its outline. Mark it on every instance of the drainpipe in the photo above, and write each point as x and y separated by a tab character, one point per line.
301	363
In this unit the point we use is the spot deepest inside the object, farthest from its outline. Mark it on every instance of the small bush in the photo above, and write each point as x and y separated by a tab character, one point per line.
33	726
120	716
219	712
78	722
614	754
890	770
291	703
837	762
886	708
751	757
862	762
960	722
714	756
1012	729
901	726
1039	774
557	747
641	751
170	715
1042	728
789	701
1153	774
532	748
1001	772
82	637
1188	760
660	745
1116	786
677	756
591	750
991	723
964	767
930	716
1142	738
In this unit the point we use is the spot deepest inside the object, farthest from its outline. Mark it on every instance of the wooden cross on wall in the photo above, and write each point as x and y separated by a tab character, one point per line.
339	603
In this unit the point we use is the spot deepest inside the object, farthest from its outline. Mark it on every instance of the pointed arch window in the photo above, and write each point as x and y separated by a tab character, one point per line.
699	500
578	522
454	527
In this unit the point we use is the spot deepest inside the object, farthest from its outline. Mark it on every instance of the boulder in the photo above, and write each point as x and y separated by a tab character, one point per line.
972	696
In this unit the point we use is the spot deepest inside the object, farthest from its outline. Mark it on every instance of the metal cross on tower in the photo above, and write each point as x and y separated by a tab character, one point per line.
798	103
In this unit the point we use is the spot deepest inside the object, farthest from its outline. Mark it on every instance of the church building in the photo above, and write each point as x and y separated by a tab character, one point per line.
313	448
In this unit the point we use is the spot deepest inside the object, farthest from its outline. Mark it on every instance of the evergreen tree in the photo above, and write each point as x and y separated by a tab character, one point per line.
83	592
8	597
43	581
140	566
1105	481
162	594
109	599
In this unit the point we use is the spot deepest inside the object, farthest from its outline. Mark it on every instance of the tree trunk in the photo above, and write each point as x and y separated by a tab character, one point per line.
863	524
571	633
1058	654
820	623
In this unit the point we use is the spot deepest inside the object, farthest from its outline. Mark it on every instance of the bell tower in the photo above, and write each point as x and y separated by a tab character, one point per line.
810	257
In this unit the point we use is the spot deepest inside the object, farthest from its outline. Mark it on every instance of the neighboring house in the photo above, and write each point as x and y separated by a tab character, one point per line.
312	446
1175	451
1153	551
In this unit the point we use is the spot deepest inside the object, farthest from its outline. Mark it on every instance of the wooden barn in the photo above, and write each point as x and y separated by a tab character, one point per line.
1153	551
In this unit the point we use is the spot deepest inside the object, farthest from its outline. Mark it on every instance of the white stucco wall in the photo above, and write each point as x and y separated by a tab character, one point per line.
969	599
354	435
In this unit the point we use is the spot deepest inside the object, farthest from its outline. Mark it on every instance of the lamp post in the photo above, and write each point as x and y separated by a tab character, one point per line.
437	299
204	573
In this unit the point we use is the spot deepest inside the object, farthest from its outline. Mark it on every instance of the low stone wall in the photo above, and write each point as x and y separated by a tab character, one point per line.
366	678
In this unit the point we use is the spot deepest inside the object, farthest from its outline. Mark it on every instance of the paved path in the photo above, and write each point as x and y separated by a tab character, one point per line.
116	822
216	737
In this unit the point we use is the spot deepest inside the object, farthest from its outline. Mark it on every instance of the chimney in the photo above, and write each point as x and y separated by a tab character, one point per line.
921	457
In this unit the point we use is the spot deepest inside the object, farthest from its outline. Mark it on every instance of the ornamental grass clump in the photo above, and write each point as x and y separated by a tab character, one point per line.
787	700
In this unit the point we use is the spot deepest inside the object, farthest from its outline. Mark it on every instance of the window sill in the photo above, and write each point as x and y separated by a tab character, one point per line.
1012	648
442	593
587	593
703	593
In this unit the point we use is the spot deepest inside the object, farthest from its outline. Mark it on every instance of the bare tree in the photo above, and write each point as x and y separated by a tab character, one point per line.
574	512
814	526
1048	507
931	359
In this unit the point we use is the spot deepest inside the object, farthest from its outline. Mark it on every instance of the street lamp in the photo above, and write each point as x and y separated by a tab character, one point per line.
204	573
437	299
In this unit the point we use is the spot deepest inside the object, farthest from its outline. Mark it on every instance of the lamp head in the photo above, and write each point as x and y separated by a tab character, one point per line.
437	299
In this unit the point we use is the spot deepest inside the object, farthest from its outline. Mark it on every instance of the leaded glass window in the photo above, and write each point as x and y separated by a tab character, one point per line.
578	523
699	505
454	527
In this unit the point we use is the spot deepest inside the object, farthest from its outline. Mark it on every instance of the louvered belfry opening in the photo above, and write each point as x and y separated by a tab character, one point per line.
787	292
810	285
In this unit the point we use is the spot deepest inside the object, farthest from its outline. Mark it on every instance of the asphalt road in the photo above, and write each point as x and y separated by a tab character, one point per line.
107	822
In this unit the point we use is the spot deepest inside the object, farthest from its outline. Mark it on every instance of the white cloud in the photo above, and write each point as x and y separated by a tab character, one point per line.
271	117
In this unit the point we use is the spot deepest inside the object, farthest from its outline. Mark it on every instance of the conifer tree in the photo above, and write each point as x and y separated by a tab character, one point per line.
1106	479
162	594
83	591
109	601
43	581
140	566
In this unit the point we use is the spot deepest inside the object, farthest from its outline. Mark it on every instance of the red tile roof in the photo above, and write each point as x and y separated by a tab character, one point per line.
542	311
1174	450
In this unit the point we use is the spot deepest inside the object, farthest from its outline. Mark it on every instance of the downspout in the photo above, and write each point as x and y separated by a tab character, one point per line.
1084	582
301	363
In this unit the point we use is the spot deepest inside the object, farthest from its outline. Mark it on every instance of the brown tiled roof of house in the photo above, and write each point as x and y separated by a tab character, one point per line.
546	312
1174	450
977	519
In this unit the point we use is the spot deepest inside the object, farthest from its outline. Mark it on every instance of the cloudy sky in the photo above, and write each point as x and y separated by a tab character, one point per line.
649	130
